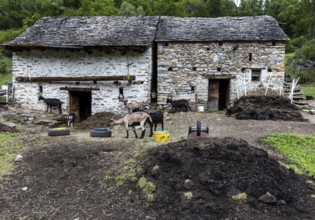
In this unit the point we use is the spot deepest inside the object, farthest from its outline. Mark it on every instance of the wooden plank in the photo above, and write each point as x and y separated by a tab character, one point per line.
83	78
213	96
74	105
78	89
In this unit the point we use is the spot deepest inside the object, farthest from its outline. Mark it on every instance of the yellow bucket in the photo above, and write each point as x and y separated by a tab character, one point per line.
161	136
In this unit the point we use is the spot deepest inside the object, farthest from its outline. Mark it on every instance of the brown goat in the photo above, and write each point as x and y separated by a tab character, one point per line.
132	106
132	120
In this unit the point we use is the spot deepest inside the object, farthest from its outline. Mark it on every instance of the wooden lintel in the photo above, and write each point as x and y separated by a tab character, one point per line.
83	78
78	89
219	76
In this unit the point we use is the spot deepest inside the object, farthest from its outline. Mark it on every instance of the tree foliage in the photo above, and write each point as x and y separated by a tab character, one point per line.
297	17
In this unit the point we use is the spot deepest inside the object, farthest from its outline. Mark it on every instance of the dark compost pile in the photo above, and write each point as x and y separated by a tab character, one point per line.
265	108
194	179
98	120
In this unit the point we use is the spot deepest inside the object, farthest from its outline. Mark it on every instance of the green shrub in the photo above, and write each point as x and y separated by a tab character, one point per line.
295	44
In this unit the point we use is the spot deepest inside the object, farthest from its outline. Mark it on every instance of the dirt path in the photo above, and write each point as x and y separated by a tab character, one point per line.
64	177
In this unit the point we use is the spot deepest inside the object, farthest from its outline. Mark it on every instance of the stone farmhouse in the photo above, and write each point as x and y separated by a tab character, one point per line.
92	64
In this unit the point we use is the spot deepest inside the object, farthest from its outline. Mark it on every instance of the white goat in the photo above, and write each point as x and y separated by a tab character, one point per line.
132	120
133	106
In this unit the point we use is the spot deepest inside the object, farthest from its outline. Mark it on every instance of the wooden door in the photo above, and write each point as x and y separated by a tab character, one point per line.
74	105
213	95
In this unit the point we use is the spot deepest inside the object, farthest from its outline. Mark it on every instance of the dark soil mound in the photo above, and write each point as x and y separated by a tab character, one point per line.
266	108
98	120
212	171
66	181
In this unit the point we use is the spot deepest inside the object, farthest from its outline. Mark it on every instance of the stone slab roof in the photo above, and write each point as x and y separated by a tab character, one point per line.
77	32
72	32
251	28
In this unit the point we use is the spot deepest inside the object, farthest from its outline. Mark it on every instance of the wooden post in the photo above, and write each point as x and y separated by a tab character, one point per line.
196	101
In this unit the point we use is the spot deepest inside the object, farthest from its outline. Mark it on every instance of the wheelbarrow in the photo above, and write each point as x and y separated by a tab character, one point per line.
198	131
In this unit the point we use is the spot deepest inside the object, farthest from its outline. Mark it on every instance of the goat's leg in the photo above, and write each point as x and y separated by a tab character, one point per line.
134	131
142	134
127	131
162	126
151	128
47	108
143	128
60	109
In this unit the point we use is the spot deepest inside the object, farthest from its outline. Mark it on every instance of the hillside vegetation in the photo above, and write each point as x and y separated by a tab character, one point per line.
297	18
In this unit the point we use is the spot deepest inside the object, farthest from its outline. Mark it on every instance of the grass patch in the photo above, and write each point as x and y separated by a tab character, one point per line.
299	149
8	148
241	197
5	79
308	90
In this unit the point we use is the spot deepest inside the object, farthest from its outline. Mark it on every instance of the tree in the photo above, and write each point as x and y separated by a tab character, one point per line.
127	9
97	8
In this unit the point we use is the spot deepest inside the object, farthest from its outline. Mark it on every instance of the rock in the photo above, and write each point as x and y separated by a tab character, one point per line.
268	198
24	188
188	184
155	170
7	127
18	158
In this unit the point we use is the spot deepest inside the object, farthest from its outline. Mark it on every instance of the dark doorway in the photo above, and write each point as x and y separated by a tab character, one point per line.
81	104
218	94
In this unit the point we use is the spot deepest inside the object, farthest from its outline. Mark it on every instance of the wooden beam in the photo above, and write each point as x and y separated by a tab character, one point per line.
78	89
82	78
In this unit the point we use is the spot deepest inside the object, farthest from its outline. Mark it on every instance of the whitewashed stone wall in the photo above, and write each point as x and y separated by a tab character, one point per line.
96	62
183	66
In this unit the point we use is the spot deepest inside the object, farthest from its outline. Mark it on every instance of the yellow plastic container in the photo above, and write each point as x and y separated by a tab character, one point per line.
161	136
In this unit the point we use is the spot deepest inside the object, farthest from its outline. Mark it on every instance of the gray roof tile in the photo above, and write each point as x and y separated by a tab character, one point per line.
72	32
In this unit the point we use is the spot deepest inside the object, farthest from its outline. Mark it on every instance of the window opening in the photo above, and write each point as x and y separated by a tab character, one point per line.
256	75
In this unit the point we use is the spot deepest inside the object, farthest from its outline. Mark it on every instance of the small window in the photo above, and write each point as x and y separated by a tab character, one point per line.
40	89
219	69
194	68
250	56
256	75
192	88
170	69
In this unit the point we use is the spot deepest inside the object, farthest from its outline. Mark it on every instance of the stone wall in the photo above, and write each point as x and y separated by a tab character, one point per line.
184	69
92	62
